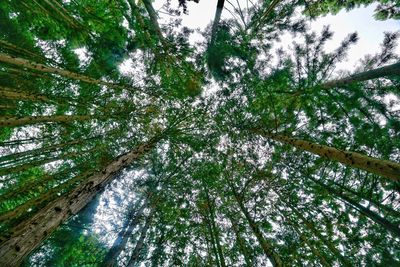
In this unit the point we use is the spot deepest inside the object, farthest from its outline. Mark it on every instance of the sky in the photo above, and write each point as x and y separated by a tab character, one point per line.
370	31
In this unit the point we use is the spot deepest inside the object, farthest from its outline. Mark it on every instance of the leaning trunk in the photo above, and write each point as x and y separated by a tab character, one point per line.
123	236
139	245
11	121
29	234
385	168
390	70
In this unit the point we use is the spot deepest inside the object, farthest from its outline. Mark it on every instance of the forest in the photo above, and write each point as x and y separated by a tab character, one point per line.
126	142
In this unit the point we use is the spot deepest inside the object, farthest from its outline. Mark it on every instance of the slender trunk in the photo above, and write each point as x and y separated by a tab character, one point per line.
139	245
47	69
389	226
316	232
11	121
266	13
314	250
214	227
26	166
38	151
12	47
212	240
12	94
153	18
123	236
267	247
242	243
28	235
374	202
217	18
385	168
390	70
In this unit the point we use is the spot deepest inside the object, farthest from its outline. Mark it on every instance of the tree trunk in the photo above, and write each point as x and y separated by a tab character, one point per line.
119	244
217	18
242	243
29	234
12	94
393	228
316	232
267	247
214	227
314	250
385	168
139	245
46	69
11	121
390	70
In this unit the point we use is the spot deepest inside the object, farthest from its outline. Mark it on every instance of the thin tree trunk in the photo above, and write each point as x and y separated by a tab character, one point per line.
266	13
153	17
217	18
123	236
385	168
46	69
242	243
314	250
315	231
390	70
215	229
11	121
29	234
374	202
393	228
139	245
212	240
267	247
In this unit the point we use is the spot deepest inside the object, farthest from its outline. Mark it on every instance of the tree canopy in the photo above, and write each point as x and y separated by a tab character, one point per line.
124	143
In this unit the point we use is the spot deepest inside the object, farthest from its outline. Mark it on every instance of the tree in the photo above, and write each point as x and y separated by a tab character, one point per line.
230	152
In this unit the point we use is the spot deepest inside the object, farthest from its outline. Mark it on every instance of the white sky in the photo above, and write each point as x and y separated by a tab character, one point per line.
370	31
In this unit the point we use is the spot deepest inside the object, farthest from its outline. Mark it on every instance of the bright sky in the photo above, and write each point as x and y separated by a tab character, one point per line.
370	31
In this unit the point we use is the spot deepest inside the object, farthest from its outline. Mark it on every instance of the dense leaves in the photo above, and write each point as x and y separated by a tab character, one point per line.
123	144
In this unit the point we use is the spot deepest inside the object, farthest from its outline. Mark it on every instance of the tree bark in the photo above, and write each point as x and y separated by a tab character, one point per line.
12	94
11	121
217	18
385	168
46	69
390	70
30	233
242	243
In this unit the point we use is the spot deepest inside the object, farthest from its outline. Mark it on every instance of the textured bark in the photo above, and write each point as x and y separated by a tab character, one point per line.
267	247
119	244
390	70
139	245
11	121
29	234
389	226
46	69
385	168
12	94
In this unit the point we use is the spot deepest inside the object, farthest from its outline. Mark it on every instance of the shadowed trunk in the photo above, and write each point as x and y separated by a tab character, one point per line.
123	236
11	121
29	234
139	245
